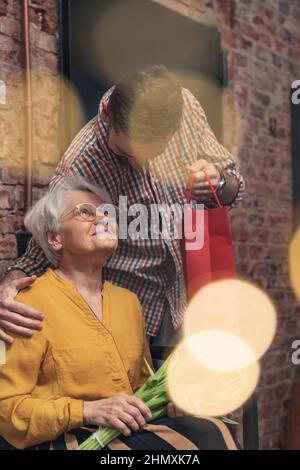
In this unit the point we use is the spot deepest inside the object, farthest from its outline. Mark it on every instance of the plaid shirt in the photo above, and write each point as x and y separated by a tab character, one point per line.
152	268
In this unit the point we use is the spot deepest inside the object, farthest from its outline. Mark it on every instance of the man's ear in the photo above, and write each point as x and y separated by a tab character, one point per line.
54	241
105	113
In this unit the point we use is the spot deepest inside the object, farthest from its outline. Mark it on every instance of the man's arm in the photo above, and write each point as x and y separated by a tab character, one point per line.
11	275
15	317
219	163
227	182
33	262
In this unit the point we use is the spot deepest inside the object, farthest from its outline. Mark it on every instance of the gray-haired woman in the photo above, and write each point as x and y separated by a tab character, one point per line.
83	368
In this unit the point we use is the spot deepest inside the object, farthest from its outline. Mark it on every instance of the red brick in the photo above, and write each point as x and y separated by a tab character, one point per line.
268	410
284	7
258	21
3	7
280	46
228	10
229	38
10	27
265	39
239	59
13	174
46	42
263	11
51	63
11	223
8	247
281	390
20	196
249	31
257	111
7	198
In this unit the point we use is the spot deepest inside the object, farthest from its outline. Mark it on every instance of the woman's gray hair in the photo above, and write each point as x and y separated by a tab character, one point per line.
44	216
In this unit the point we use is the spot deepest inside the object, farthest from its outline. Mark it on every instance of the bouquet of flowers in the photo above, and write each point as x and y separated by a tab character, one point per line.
153	393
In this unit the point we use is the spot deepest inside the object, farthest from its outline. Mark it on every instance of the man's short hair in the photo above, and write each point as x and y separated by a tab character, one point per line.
147	105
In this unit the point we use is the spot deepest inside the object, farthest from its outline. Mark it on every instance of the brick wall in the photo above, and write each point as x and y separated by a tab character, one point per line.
43	35
262	39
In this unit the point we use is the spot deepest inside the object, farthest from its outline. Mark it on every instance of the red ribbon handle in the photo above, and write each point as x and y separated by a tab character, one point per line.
210	185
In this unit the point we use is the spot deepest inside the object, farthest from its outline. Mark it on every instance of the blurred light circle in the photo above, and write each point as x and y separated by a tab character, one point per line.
294	263
50	95
200	391
220	350
234	306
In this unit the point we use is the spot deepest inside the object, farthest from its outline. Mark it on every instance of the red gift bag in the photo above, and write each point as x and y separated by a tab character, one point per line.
214	258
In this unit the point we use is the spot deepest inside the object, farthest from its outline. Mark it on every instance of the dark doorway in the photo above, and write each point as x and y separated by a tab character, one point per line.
295	113
102	40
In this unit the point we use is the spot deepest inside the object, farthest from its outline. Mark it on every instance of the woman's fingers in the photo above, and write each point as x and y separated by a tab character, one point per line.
130	420
135	401
123	412
136	410
137	415
119	425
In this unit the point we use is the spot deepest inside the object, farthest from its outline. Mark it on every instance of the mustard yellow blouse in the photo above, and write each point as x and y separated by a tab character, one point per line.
74	358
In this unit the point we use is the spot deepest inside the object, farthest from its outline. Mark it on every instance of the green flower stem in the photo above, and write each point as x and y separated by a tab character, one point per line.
154	394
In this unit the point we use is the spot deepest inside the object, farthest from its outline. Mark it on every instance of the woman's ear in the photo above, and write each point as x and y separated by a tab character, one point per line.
54	241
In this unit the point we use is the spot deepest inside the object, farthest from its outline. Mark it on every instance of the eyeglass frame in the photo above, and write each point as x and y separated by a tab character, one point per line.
89	204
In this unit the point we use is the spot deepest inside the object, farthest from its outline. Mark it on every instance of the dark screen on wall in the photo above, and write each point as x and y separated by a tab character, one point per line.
101	40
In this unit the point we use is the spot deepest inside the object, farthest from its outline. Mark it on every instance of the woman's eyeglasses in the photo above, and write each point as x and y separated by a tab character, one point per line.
89	212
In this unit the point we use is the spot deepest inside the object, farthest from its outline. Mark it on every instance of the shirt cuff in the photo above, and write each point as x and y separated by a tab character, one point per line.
76	414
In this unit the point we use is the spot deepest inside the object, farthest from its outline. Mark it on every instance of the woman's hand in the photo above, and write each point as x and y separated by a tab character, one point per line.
125	413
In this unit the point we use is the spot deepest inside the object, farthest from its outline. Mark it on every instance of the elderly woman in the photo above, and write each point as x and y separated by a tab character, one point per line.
82	369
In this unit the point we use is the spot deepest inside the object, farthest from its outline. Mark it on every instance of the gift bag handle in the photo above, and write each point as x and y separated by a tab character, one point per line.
210	185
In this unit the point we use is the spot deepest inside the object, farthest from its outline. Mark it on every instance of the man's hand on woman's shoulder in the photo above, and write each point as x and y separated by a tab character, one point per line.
17	318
